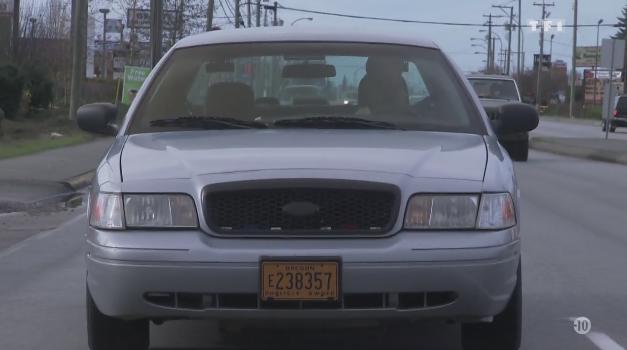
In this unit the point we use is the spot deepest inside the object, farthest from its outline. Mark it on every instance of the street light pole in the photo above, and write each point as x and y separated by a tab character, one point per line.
302	19
596	63
573	78
104	42
551	49
519	39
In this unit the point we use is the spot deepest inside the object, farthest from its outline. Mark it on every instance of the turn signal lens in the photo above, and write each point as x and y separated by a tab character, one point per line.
496	212
105	211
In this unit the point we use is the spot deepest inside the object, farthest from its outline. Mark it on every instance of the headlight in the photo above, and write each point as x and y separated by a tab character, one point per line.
105	211
113	211
442	212
159	211
490	211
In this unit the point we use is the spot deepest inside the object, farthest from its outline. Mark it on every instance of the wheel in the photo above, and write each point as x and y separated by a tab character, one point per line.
519	150
612	128
109	333
504	332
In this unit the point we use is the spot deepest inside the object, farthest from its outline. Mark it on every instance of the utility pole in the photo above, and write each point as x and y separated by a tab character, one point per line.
509	40
78	43
541	58
250	14
551	49
238	15
489	70
15	34
520	28
210	7
104	42
156	31
258	13
573	74
275	21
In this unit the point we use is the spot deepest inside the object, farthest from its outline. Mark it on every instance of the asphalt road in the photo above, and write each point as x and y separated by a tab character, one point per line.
574	262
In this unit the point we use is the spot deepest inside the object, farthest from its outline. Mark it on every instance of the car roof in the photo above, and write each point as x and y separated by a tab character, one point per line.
306	33
489	76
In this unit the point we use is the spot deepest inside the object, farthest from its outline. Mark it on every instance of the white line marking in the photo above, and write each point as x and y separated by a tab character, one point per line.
23	244
603	341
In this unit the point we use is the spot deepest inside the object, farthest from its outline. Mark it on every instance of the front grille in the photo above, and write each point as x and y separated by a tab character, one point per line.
350	301
301	207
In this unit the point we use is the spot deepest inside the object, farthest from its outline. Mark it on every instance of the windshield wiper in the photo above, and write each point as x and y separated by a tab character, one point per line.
336	122
206	122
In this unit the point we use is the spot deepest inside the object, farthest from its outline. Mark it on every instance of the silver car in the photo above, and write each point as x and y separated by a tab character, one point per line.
217	202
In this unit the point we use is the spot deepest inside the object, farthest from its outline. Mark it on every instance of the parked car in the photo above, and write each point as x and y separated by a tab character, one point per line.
495	91
619	114
383	211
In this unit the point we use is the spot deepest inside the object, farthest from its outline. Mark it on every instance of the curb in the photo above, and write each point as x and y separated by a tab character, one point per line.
568	150
80	181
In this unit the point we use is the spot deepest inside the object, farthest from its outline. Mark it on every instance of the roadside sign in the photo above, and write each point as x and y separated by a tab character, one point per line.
114	26
586	56
605	75
546	61
140	19
606	53
133	79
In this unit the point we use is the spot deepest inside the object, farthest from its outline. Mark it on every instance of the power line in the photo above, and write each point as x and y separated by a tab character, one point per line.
401	20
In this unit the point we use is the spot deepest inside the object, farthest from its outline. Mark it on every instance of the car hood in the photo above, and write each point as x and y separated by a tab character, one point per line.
188	154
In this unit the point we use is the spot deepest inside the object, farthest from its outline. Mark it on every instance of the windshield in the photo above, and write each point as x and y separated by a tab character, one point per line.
312	85
495	89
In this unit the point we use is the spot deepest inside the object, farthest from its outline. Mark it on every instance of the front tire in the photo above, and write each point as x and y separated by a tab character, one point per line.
504	332
109	333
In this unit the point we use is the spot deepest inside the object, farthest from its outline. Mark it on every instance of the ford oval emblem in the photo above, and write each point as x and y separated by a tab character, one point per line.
300	209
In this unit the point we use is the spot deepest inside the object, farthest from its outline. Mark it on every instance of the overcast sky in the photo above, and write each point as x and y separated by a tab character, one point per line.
456	40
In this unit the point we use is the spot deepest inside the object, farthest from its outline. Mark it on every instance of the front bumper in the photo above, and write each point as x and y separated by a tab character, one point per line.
618	121
481	278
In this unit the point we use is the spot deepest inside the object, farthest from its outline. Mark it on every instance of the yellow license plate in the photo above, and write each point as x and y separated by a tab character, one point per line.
300	280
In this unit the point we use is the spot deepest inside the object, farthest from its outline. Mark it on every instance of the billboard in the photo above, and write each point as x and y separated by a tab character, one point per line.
586	56
140	19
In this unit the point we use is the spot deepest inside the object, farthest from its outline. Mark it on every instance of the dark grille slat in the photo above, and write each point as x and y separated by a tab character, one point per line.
260	210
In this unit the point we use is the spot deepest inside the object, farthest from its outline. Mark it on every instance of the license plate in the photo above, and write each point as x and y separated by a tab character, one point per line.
300	280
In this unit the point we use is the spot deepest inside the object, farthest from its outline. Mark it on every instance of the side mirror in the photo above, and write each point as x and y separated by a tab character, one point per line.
97	118
516	118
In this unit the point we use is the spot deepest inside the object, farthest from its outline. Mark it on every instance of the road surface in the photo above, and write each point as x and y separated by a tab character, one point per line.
574	260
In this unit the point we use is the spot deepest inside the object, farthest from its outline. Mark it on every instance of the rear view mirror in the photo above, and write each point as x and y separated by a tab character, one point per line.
309	71
97	118
220	67
516	118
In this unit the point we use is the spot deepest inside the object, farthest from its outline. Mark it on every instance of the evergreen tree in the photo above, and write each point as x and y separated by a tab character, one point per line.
622	22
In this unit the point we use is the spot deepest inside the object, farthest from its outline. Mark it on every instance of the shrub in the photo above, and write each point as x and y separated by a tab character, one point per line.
12	86
40	85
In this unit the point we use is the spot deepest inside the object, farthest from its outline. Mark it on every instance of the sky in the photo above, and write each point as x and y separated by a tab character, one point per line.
456	40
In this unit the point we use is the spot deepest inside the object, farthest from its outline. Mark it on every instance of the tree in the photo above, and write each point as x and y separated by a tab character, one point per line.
622	22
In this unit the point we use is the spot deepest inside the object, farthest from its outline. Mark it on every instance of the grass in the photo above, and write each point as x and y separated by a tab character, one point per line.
34	134
581	112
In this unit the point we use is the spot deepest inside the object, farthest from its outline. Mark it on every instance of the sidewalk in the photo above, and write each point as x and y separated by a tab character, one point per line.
31	180
580	121
611	151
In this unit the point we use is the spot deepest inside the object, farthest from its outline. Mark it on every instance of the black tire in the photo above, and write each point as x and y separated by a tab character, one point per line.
504	332
109	333
612	128
519	150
